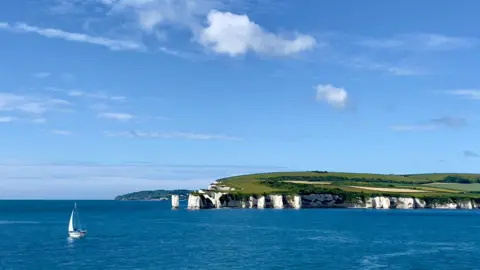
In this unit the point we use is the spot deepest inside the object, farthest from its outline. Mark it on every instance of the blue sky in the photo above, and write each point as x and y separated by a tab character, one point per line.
100	97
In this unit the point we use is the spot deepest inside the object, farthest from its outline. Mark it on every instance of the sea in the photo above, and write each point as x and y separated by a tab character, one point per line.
150	235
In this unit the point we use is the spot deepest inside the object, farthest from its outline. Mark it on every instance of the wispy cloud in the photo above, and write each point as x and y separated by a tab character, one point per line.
61	132
466	93
469	154
335	96
30	104
111	44
154	17
395	70
76	180
86	94
433	124
99	95
41	75
116	116
420	41
39	120
169	135
6	119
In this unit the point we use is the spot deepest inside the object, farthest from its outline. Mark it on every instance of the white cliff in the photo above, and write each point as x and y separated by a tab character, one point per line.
261	202
175	201
449	205
220	200
405	203
465	204
194	202
277	201
294	201
419	203
252	202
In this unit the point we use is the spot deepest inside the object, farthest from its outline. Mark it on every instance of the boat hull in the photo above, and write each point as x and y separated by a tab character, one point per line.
77	234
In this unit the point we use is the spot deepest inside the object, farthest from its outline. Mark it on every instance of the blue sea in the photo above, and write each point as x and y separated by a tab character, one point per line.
149	235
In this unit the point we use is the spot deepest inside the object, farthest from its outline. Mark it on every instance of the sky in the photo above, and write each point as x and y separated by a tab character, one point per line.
103	97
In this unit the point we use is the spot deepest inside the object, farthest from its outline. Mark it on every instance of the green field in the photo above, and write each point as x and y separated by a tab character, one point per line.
418	185
458	187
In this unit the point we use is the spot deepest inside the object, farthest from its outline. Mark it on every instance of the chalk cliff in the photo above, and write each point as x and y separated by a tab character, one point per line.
278	201
175	201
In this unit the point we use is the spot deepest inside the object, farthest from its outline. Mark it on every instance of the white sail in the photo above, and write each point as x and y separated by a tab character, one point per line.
70	224
75	231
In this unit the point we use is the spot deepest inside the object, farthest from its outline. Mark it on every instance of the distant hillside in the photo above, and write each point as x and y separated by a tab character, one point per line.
153	195
434	185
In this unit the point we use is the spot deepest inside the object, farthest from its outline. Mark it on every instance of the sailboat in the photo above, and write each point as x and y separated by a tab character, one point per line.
74	230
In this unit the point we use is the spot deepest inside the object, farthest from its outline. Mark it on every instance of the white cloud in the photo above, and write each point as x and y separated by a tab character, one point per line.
6	119
61	132
98	95
466	93
420	41
116	116
335	96
169	135
30	104
112	44
233	34
41	75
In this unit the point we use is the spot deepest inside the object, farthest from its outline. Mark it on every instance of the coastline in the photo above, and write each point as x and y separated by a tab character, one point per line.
211	200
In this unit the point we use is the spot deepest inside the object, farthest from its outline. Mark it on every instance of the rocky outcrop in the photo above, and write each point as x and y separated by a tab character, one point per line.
419	203
252	202
276	201
449	205
223	200
261	202
294	201
175	201
320	200
465	204
402	203
194	202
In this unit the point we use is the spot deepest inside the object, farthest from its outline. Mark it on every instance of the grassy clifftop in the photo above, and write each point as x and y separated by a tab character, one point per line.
418	185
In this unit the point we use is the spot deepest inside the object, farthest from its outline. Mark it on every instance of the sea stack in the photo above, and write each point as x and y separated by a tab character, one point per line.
175	201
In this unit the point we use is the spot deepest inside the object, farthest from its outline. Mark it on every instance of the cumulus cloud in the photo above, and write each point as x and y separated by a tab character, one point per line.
433	124
112	44
116	116
420	41
233	34
335	96
169	135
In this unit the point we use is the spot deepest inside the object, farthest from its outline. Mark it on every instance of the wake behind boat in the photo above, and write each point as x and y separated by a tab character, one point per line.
74	226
